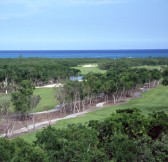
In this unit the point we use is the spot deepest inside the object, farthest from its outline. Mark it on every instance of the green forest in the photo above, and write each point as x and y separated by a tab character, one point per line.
128	133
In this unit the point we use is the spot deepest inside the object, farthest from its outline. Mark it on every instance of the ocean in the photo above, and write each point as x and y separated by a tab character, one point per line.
84	53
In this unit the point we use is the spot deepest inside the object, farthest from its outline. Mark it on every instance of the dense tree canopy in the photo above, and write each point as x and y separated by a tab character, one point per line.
132	62
113	86
126	136
23	99
18	150
39	70
165	77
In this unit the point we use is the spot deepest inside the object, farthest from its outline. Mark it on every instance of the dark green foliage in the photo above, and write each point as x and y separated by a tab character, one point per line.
160	148
20	151
115	86
165	81
22	98
122	148
126	136
75	143
25	152
123	136
130	136
39	70
165	77
128	111
7	150
133	62
158	124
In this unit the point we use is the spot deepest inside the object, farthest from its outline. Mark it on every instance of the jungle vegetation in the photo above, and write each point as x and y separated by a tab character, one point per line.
126	135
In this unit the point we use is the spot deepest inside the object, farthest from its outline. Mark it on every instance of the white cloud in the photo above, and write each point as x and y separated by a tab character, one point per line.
20	8
15	7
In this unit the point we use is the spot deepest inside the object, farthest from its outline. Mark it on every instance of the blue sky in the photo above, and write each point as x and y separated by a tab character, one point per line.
83	24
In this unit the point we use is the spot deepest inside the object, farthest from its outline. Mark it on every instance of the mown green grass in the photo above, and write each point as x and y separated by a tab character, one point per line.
48	100
86	70
153	100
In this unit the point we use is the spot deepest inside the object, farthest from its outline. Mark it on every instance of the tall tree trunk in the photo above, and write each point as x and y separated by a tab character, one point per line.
90	101
83	105
13	125
34	125
6	85
114	99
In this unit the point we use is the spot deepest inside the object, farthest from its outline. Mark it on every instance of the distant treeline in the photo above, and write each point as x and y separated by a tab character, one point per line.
39	70
44	70
131	62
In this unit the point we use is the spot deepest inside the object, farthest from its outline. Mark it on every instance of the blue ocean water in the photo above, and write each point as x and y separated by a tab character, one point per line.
85	53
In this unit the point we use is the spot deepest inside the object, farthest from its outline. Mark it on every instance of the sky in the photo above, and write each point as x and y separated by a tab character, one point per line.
83	24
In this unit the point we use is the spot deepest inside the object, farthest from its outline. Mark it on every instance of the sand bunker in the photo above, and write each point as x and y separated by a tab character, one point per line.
89	65
51	86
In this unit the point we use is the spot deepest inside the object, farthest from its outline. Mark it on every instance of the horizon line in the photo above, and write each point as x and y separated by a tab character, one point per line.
148	49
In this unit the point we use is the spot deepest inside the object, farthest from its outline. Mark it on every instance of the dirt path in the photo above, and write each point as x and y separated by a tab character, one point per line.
45	123
49	122
46	112
52	121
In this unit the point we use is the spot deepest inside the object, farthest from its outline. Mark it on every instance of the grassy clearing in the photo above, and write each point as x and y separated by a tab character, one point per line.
85	69
47	102
153	100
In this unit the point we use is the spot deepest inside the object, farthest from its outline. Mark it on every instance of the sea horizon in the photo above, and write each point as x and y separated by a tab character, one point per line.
121	53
